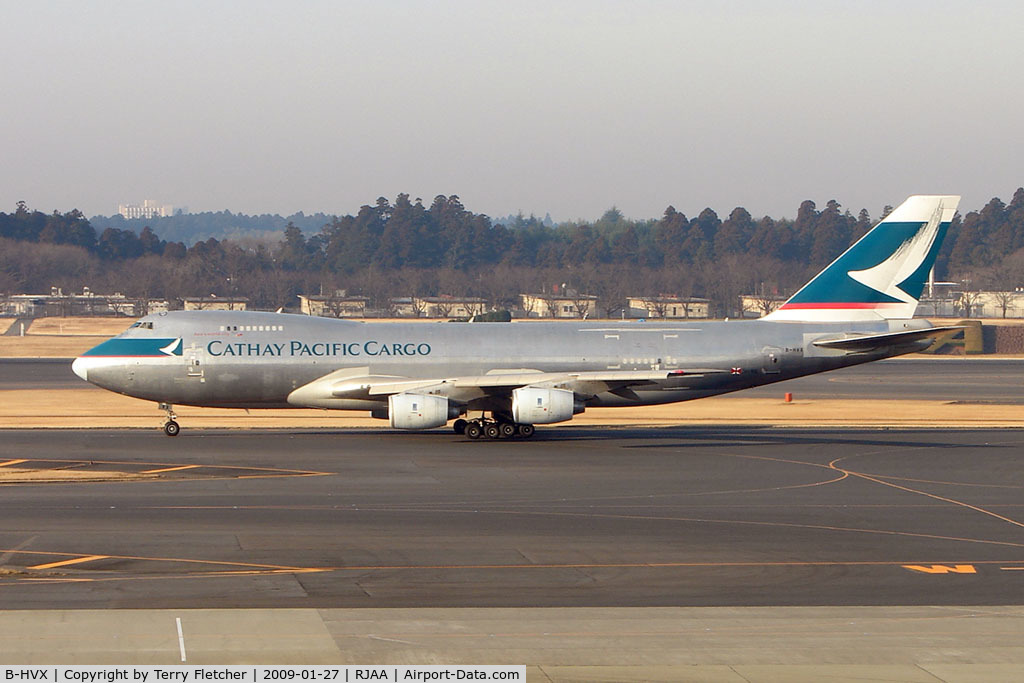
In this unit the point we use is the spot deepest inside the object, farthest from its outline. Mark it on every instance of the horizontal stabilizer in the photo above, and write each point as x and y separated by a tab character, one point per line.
870	342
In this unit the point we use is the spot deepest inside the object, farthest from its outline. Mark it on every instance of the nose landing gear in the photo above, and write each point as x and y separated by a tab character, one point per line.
171	428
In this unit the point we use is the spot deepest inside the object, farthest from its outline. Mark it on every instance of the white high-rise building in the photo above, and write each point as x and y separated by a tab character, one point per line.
148	209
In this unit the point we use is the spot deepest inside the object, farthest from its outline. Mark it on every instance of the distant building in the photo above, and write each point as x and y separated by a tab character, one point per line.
566	305
215	303
339	306
758	305
59	304
148	209
664	306
963	303
448	306
403	307
443	306
999	304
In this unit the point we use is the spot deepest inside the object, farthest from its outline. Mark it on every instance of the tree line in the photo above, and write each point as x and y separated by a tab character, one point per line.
406	248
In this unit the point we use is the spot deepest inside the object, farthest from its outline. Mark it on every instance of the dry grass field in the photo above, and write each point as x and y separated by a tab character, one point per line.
101	327
89	408
43	346
59	337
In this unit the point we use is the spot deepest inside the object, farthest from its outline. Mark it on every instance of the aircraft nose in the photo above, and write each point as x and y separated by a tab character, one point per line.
79	368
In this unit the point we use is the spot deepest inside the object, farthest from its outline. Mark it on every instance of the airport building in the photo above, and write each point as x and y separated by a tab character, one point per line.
338	306
665	306
567	305
758	305
445	306
148	209
215	303
59	304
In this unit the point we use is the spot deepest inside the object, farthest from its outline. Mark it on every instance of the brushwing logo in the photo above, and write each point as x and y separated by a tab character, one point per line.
173	349
902	263
881	276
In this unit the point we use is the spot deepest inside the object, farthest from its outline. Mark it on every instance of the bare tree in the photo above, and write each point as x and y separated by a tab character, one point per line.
765	301
377	285
1005	300
419	306
551	304
443	307
966	302
334	305
657	306
1001	280
583	303
500	285
611	290
475	307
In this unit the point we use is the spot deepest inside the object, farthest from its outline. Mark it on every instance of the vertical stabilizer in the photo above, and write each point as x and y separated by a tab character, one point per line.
882	275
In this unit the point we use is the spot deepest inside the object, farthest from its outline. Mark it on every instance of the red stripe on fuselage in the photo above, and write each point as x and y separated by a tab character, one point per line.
119	355
839	305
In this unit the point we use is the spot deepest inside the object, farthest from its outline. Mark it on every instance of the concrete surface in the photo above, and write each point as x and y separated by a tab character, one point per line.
755	645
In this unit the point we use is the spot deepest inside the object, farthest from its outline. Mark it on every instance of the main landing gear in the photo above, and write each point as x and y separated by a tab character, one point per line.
492	429
171	428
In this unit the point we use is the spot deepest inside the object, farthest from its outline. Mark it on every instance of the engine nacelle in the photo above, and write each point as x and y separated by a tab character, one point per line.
419	411
533	405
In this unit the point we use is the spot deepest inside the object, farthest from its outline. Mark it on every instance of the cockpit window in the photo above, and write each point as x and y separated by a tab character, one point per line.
143	325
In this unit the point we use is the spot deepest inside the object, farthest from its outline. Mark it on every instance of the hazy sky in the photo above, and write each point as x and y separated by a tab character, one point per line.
560	107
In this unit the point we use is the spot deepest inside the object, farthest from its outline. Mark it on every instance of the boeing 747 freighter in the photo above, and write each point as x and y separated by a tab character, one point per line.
498	380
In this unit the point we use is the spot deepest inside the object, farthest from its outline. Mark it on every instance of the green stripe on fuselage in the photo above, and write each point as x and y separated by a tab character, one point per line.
135	348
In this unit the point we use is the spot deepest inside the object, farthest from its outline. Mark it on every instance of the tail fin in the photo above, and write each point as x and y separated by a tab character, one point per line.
883	274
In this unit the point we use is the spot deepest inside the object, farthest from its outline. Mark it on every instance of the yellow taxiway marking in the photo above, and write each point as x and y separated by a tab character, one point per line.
247	566
64	563
257	472
942	568
171	469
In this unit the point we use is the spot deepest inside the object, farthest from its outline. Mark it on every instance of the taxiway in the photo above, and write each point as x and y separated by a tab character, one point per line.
594	517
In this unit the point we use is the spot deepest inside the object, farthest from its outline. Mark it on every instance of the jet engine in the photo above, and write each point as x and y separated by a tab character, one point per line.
534	405
419	411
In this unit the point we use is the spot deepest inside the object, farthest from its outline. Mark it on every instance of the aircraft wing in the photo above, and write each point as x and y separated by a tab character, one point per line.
343	384
861	343
582	383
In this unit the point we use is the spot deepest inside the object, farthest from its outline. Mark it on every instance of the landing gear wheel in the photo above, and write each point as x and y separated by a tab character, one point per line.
474	430
492	431
460	426
526	431
507	430
171	427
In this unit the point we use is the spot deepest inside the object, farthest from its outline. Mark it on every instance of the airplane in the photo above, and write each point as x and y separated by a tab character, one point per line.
422	376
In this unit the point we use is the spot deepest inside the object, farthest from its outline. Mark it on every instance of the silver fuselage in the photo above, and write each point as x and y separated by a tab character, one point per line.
256	360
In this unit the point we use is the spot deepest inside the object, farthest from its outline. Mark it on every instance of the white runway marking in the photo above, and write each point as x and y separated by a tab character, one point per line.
181	639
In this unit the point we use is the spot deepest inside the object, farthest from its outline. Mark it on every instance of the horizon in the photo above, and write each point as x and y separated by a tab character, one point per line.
565	109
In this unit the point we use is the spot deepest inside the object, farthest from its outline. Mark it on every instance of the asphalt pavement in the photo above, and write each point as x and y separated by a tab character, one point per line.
591	517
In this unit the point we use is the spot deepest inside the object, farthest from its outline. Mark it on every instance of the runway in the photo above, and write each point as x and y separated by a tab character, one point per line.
577	517
978	380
